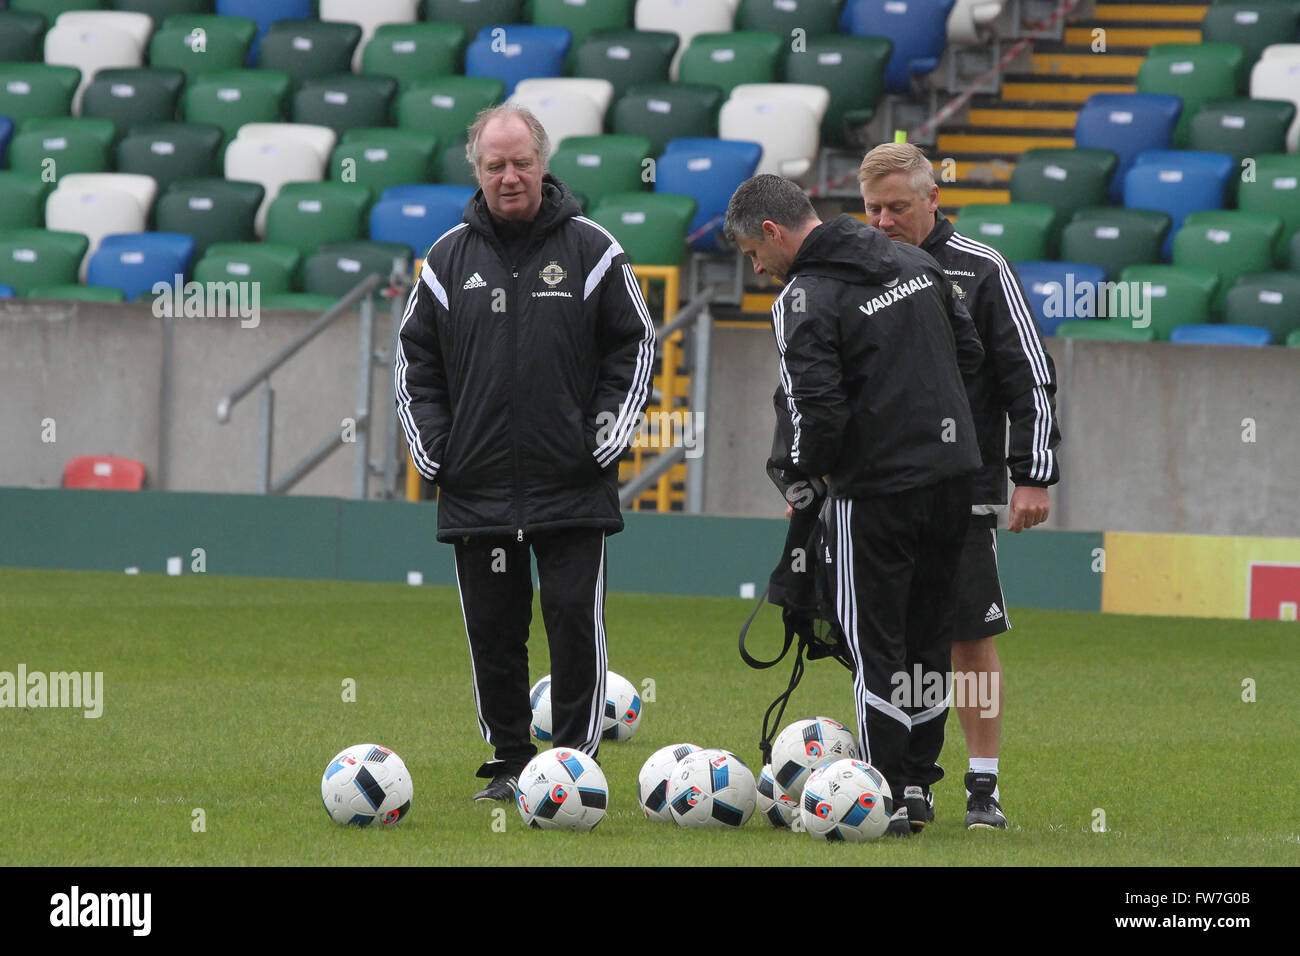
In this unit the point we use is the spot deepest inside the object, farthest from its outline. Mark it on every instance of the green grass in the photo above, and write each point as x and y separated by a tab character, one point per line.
225	694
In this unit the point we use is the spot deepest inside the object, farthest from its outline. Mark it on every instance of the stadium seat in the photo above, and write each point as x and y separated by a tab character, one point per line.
61	146
335	268
515	52
1196	72
651	227
596	166
272	162
668	111
447	106
171	151
918	30
271	267
1065	179
786	125
1250	25
730	59
232	98
131	97
382	157
626	58
369	16
308	49
242	30
1294	259
142	189
104	473
1242	127
7	292
136	263
36	257
1267	299
91	46
345	101
1229	242
1178	182
1274	188
138	26
1103	330
473	15
453	166
1274	78
52	9
22	200
31	90
1127	124
1248	335
685	18
201	44
582	18
211	210
852	70
1173	295
1293	340
814	17
160	10
98	205
567	106
417	215
21	33
434	193
1114	237
304	215
412	53
709	171
77	293
264	13
1021	232
1058	291
6	133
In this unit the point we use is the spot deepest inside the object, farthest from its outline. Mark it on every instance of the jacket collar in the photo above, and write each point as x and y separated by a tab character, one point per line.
939	235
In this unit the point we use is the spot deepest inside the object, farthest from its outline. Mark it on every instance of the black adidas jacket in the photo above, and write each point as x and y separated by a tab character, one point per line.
874	346
519	385
1018	379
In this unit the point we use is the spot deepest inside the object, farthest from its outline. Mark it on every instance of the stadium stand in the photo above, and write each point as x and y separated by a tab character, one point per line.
707	170
134	264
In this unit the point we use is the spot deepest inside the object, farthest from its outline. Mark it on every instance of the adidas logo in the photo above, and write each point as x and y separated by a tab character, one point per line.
994	613
474	282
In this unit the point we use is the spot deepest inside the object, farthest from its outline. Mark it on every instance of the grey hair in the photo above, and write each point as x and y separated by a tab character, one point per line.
541	141
762	198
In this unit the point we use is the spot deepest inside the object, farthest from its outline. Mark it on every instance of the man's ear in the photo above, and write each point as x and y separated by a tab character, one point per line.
771	230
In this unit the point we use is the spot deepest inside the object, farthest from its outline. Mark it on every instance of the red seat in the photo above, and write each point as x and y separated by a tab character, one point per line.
104	471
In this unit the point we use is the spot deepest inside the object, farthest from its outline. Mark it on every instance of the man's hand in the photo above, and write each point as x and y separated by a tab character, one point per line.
1029	506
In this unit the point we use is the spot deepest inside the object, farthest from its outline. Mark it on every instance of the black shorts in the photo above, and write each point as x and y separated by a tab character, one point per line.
981	609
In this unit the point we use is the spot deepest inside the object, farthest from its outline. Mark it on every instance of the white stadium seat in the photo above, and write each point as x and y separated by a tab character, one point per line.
816	98
563	111
686	18
320	138
600	92
90	48
969	16
1276	76
272	162
138	25
368	14
99	204
787	128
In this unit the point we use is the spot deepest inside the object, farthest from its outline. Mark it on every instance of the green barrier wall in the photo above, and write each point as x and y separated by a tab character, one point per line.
303	537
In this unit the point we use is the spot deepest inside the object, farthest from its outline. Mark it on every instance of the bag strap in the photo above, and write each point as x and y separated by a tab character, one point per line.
749	658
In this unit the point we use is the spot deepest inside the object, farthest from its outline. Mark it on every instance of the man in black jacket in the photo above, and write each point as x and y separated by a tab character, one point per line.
524	366
1017	382
874	347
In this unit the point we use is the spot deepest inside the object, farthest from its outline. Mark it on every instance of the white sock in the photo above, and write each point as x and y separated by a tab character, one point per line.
985	765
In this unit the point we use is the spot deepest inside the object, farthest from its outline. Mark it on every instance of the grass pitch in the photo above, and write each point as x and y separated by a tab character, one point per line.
226	696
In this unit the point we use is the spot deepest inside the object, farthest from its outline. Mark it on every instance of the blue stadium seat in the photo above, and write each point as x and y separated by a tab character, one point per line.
6	132
134	262
264	13
521	52
431	192
417	219
7	292
709	170
1221	335
1127	124
1178	182
918	29
1070	297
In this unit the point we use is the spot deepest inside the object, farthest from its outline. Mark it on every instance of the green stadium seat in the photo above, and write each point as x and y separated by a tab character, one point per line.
238	29
80	145
1196	72
727	60
1114	237
473	16
308	49
1293	340
231	98
1250	25
305	215
160	10
852	69
170	152
446	107
1294	260
345	101
51	9
1229	242
301	301
335	268
21	32
668	111
598	166
651	227
272	266
1065	179
814	17
37	257
1176	295
582	18
414	52
211	210
133	96
32	90
1274	189
452	166
77	293
383	157
225	42
1270	300
1022	232
625	58
22	200
1103	330
1241	127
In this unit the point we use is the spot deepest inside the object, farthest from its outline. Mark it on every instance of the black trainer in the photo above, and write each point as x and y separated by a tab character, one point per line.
982	809
898	825
503	788
920	807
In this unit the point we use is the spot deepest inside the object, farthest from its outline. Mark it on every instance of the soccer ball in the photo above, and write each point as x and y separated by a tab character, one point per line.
366	784
711	789
652	782
539	698
805	745
775	805
562	789
622	708
846	800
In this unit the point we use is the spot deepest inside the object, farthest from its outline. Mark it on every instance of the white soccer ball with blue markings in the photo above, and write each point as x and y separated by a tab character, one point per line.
712	789
539	698
366	784
775	805
562	789
805	745
846	801
652	782
620	720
